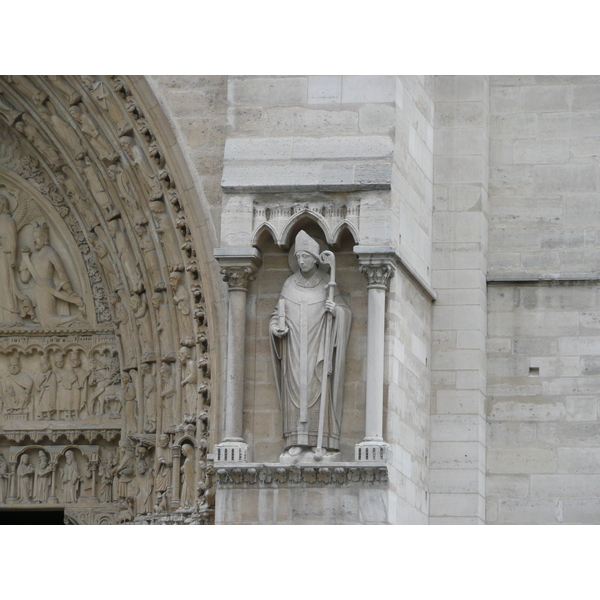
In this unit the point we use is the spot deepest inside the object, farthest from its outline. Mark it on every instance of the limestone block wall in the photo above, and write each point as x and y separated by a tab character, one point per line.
412	171
312	132
460	237
543	346
544	146
408	330
543	426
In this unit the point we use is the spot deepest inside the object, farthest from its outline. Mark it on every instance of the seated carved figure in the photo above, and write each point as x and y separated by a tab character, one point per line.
53	291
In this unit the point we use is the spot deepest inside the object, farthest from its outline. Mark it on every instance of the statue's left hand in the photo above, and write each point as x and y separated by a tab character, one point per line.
330	306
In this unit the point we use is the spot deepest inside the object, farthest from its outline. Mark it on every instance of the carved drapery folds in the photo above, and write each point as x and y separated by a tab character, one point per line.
101	292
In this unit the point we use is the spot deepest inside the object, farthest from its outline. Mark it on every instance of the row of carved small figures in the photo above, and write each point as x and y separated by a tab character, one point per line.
311	475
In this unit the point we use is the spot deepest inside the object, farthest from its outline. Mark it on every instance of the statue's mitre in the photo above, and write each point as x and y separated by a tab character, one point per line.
304	243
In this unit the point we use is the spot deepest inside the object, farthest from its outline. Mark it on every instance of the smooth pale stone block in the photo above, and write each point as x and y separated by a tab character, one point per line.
540	151
268	91
501	152
346	147
324	89
508	486
456	455
582	409
298	120
459	88
458	227
459	114
512	410
498	345
552	179
459	141
360	89
530	512
458	359
565	485
556	238
454	505
376	118
513	126
501	368
570	434
511	434
540	261
511	179
459	317
455	428
521	460
458	169
534	324
585	511
504	99
470	380
544	99
455	481
578	460
257	149
578	346
523	209
528	347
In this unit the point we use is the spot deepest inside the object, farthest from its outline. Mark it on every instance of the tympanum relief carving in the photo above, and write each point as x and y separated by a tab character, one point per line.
103	327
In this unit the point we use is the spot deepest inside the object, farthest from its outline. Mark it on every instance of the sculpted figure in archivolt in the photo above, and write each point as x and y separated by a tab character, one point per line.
309	333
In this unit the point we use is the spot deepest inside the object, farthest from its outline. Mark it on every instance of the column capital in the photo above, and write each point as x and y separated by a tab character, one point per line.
238	266
377	264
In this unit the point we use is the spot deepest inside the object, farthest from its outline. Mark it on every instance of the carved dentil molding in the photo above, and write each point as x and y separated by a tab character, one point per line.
275	475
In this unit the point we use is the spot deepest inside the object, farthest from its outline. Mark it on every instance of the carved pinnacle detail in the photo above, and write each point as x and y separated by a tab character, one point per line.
377	275
238	278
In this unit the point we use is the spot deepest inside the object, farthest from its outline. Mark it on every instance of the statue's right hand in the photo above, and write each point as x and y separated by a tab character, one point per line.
279	332
25	250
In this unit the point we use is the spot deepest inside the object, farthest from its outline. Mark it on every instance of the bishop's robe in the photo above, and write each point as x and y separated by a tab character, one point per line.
299	358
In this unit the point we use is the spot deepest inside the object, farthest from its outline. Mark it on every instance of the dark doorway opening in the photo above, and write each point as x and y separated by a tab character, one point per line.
32	517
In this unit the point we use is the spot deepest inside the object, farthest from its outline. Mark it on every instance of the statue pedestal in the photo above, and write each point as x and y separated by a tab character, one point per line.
237	452
371	451
302	494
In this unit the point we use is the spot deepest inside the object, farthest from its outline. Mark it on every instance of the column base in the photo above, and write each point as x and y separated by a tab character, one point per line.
371	452
237	452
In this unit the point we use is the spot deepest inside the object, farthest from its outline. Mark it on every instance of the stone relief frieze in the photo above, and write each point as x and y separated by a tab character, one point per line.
55	378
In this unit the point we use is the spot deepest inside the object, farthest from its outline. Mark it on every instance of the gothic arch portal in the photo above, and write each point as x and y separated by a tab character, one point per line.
106	304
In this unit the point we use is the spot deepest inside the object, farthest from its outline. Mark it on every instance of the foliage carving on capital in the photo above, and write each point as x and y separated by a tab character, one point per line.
238	277
377	274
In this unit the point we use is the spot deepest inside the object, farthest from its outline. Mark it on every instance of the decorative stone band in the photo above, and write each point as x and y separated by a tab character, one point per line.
38	435
274	475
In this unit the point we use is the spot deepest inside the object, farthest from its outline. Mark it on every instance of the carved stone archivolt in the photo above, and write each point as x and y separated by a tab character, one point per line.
103	320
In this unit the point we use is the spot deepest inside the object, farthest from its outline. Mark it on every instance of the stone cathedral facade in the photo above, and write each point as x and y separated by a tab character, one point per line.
300	299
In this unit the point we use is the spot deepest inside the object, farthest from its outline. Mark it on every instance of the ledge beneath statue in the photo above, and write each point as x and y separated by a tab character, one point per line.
311	494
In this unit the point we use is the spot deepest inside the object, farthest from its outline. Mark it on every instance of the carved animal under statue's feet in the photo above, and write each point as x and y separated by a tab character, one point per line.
305	454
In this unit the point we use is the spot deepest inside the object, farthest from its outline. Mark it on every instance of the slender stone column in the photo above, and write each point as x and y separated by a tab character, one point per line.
377	267
238	266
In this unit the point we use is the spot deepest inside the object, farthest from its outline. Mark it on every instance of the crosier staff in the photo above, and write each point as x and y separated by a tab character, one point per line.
326	258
